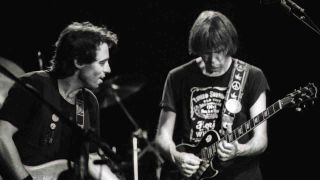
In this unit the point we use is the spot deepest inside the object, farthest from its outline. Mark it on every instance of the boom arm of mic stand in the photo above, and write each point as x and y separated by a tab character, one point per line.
117	99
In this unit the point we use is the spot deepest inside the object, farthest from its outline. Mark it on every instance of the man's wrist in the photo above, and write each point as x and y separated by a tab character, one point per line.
172	150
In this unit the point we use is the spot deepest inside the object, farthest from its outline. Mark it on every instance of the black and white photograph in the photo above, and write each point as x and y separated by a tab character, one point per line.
159	90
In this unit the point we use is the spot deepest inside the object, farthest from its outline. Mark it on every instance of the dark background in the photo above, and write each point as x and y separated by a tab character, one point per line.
153	39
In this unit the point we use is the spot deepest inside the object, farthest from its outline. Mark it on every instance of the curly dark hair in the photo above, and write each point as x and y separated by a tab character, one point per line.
79	41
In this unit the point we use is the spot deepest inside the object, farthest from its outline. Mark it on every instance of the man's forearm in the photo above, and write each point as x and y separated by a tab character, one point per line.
253	147
10	159
166	146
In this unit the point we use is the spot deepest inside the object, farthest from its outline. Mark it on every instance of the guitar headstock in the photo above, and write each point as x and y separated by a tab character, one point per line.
301	97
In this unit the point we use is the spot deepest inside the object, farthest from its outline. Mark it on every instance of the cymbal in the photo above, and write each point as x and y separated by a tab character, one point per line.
5	82
118	88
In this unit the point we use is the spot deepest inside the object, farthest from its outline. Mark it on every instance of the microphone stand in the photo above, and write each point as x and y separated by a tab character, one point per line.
300	14
86	135
138	133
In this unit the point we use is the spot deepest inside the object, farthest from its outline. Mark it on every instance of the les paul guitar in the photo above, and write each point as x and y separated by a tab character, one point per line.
206	148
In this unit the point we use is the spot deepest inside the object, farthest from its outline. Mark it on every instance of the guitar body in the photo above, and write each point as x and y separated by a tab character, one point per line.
48	171
57	169
207	168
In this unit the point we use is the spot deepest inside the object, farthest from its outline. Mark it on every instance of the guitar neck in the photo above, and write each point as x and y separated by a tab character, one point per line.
247	126
253	123
297	99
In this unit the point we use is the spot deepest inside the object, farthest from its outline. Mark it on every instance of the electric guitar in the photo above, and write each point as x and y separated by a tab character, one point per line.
48	171
53	169
206	149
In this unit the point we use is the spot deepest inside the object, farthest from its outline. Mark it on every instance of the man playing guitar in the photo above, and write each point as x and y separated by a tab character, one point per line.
192	103
35	140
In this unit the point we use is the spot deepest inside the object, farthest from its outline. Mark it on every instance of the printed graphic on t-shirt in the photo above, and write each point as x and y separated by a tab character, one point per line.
205	107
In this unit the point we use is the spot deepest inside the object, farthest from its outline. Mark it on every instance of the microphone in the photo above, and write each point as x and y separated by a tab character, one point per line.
288	4
295	6
284	4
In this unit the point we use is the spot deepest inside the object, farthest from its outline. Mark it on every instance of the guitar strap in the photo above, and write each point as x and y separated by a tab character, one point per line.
232	103
79	101
80	109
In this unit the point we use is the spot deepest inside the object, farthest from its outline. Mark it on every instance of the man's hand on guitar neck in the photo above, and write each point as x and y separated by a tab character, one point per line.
227	151
187	163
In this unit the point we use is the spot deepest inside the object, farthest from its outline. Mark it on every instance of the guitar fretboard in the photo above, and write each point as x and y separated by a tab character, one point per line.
246	127
297	99
252	123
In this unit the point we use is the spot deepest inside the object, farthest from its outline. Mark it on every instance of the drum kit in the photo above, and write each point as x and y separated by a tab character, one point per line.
111	92
118	88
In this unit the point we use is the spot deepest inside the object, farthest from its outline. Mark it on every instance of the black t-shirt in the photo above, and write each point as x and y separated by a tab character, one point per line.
197	101
42	136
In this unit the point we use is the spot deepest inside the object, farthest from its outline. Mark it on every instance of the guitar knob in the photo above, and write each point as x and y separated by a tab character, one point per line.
298	109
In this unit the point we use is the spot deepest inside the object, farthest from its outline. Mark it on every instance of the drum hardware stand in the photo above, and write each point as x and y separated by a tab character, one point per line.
138	133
